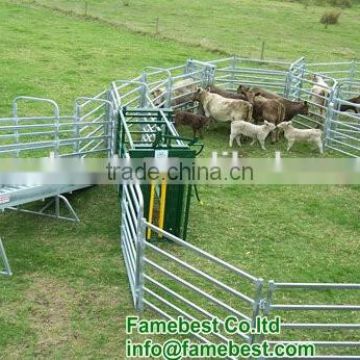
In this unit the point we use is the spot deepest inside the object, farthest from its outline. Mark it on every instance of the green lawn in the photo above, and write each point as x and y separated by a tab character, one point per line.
69	295
236	27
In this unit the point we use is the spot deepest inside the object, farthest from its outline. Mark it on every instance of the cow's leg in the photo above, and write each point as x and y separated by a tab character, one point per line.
194	132
201	133
273	136
253	141
232	136
238	137
211	124
277	131
262	142
290	144
319	145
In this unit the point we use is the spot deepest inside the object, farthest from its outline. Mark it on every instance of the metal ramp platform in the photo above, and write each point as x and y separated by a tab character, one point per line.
12	197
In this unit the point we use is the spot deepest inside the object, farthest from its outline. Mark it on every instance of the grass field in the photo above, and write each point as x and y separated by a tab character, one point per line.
69	295
236	27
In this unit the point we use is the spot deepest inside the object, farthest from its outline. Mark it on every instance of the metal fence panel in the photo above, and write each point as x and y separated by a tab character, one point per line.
307	317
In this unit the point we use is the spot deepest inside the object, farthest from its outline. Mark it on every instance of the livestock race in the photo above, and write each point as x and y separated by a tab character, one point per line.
98	265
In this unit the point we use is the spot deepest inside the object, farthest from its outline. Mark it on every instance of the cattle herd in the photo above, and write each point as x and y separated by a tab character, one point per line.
253	112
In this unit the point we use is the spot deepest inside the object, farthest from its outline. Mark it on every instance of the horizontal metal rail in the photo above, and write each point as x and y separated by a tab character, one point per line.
317	286
202	274
180	311
202	253
314	307
197	290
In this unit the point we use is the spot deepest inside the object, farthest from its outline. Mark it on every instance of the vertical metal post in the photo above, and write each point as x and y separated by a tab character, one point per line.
121	143
168	92
123	215
234	62
57	206
139	273
257	304
77	128
210	74
300	63
352	72
16	123
57	128
288	83
265	305
188	66
108	128
7	270
143	90
301	73
328	120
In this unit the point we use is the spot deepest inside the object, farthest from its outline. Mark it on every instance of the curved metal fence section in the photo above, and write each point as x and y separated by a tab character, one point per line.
175	278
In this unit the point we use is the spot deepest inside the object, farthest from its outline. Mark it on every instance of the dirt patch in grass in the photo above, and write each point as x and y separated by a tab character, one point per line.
51	304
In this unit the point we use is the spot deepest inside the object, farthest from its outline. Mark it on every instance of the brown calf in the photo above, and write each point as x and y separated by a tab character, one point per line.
196	122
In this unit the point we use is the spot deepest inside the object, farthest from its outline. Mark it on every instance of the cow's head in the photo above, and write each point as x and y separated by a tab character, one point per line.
157	96
242	89
198	94
248	94
284	125
269	126
304	108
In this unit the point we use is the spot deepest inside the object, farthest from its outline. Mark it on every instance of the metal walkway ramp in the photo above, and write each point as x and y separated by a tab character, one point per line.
12	197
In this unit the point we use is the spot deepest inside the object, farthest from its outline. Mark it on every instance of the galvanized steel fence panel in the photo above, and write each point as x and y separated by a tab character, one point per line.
88	131
175	278
133	239
233	71
325	323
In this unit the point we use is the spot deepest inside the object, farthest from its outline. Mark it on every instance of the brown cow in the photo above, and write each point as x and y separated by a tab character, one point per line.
270	110
196	122
354	100
292	108
222	109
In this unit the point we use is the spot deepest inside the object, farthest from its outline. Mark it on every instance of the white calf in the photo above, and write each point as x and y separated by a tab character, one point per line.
259	132
301	135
